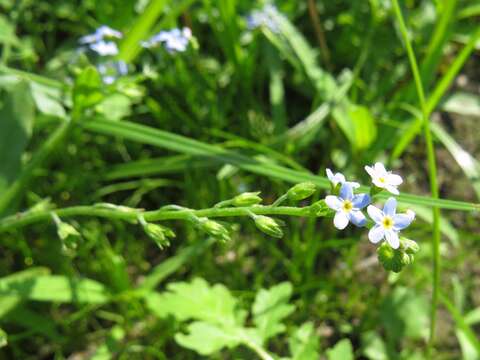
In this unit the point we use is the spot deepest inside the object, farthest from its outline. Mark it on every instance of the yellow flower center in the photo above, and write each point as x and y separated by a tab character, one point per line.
387	222
382	180
347	205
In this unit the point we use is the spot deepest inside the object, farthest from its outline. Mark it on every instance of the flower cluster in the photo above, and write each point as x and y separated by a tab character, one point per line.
102	42
348	206
174	40
266	17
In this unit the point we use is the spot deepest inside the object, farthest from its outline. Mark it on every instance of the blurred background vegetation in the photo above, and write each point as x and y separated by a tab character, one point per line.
330	86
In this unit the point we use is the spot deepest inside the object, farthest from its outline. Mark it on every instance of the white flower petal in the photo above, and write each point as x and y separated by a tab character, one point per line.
340	178
394	179
340	220
392	189
329	175
378	183
380	169
392	238
375	213
390	206
354	184
357	218
370	171
333	202
376	234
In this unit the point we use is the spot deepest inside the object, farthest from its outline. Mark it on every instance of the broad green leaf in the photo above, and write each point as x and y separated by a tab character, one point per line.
7	32
115	106
56	288
206	338
404	313
342	350
304	343
374	347
48	100
196	300
17	115
365	128
271	308
86	89
469	351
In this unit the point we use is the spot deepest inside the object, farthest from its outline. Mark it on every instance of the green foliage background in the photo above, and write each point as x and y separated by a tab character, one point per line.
239	111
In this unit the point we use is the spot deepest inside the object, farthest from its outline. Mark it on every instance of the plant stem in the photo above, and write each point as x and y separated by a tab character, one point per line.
23	219
261	352
433	175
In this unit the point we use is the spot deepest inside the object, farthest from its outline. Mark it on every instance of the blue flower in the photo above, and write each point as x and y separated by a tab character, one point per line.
105	48
102	33
387	223
112	70
339	178
347	207
384	179
174	40
265	17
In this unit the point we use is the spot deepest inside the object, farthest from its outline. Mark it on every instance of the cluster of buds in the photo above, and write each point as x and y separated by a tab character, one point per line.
396	251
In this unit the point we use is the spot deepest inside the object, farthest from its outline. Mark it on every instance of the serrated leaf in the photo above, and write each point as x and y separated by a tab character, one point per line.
342	350
304	343
196	300
270	308
206	338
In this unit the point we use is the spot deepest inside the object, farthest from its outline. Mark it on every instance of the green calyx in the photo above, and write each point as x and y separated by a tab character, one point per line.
396	259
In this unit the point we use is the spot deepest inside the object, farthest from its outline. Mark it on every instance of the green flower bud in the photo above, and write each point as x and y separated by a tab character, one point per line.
320	208
68	234
301	191
396	259
269	226
159	234
247	199
215	229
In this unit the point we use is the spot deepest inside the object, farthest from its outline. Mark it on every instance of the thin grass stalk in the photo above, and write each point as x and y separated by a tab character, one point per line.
432	172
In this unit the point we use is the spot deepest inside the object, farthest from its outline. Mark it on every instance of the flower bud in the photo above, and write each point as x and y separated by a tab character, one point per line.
269	226
215	229
247	199
159	234
396	259
301	191
68	234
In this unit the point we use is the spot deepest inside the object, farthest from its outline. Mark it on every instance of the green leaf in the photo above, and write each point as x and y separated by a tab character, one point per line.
463	103
196	300
86	90
365	128
115	106
56	288
3	338
271	308
112	345
48	100
342	350
206	338
17	115
304	343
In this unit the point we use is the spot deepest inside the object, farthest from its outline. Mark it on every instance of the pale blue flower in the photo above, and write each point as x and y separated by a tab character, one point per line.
347	207
105	48
387	223
339	178
112	70
265	17
174	40
384	179
102	33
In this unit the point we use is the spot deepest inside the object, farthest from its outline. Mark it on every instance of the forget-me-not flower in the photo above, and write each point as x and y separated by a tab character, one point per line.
111	70
384	179
265	17
105	48
102	33
174	40
347	207
387	223
339	178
